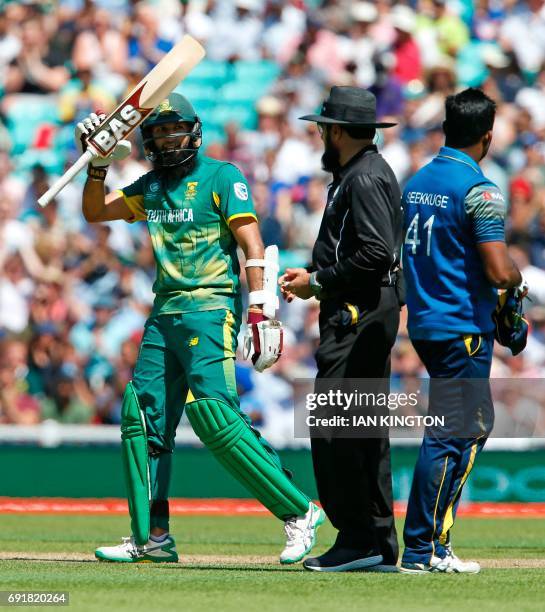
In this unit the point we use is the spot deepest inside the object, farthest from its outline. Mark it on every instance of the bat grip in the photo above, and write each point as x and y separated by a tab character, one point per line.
61	182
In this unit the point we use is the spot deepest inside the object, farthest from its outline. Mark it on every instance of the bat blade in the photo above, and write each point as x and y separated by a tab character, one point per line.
130	113
148	94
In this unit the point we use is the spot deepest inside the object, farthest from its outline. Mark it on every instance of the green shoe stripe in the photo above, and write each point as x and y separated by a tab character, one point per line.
169	548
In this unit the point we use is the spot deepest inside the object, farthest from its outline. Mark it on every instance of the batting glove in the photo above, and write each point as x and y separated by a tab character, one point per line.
263	340
86	127
511	326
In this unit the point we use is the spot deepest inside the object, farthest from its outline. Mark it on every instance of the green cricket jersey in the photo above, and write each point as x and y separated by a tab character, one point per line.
195	251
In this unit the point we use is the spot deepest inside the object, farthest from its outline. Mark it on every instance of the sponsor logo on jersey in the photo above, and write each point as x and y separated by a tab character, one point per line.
191	190
193	341
493	195
179	215
154	187
241	191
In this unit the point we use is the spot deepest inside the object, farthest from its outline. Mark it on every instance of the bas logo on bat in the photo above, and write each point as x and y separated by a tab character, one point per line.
155	87
119	124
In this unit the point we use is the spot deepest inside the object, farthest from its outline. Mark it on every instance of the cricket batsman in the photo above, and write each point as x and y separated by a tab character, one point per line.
198	211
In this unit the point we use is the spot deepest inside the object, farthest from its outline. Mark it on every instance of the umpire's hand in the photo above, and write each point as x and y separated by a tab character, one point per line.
295	282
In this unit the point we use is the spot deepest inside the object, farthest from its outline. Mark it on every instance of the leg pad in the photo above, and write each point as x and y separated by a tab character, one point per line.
223	430
134	449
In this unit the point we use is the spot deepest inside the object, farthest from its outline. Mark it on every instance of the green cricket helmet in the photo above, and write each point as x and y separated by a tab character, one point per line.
174	109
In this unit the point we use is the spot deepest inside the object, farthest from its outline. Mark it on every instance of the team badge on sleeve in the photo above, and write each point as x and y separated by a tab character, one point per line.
241	191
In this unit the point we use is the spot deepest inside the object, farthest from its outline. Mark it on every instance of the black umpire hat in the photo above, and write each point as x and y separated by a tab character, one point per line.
349	106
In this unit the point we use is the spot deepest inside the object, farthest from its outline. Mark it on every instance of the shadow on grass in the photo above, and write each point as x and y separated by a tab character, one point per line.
180	567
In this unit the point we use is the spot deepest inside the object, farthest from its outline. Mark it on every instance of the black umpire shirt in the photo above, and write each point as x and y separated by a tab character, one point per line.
359	242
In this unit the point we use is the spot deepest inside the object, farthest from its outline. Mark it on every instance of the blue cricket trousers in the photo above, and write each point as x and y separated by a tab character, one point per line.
447	455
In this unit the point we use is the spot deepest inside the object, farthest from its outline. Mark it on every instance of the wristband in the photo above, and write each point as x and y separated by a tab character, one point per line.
97	173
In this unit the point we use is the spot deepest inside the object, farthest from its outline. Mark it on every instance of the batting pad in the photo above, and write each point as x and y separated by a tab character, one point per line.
222	430
134	449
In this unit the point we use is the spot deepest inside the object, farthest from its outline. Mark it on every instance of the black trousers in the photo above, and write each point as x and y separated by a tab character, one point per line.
354	475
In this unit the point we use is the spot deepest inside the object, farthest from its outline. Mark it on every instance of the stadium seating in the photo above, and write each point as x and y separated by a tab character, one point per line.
252	72
25	116
222	92
242	114
211	73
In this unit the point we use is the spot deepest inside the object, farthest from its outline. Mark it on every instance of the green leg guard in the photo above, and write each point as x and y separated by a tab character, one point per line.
223	430
134	448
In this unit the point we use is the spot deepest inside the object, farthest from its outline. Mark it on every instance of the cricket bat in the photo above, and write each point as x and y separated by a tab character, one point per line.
148	94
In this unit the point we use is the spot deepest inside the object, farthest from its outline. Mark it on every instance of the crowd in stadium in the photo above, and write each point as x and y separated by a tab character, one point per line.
74	297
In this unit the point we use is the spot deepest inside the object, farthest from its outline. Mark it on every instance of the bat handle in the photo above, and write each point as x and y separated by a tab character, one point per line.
61	182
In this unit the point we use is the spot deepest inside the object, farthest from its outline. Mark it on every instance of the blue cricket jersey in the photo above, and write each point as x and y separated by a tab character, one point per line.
449	207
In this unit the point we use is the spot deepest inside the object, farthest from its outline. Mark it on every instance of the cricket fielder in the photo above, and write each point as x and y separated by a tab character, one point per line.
197	210
454	260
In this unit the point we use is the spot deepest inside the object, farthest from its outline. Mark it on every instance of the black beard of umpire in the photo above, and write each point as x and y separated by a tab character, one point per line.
355	275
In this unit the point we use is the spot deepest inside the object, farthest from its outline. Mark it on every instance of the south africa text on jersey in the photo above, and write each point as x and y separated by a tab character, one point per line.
170	216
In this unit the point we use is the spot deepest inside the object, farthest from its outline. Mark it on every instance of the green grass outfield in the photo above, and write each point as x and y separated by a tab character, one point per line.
228	563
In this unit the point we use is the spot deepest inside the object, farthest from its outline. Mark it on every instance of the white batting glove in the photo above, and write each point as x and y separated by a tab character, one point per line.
86	128
263	341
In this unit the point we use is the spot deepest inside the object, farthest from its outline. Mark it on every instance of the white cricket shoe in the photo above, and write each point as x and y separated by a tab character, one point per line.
471	567
450	564
129	552
301	534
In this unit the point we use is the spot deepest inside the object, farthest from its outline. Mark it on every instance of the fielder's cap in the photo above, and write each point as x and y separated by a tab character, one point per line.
349	106
363	12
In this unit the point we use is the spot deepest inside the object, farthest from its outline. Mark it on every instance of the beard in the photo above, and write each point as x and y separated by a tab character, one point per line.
178	171
330	158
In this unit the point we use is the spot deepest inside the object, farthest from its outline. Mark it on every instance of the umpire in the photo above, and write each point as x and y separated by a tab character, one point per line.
354	274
